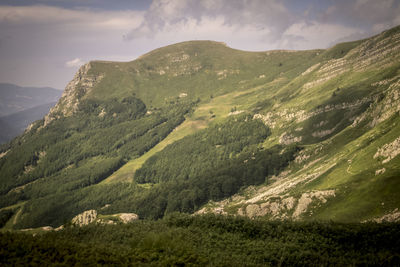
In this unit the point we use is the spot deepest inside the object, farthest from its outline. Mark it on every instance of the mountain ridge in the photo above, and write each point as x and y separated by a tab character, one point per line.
17	98
20	106
311	123
16	123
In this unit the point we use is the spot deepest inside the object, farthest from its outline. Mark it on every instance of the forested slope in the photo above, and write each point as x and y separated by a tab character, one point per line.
198	126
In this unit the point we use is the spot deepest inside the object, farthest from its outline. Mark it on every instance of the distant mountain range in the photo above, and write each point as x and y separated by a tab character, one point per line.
15	98
20	106
15	124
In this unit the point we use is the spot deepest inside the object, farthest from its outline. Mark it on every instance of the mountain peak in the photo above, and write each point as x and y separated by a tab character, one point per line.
199	126
82	83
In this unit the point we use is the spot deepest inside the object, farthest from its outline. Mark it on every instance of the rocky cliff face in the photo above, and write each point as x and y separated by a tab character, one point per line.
82	83
128	217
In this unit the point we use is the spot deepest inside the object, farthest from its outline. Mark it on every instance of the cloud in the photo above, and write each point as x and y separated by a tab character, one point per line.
51	34
48	15
240	23
76	62
263	24
370	15
312	34
374	11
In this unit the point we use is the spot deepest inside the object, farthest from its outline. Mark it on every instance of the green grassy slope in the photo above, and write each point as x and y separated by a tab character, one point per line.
343	116
200	69
335	107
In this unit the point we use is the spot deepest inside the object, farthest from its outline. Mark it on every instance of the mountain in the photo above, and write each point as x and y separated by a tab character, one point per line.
15	124
198	127
14	98
20	106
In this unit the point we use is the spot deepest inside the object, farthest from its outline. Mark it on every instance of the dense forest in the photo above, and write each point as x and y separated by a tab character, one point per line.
212	164
67	161
180	240
71	154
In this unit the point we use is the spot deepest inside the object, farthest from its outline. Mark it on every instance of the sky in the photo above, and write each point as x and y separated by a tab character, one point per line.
43	42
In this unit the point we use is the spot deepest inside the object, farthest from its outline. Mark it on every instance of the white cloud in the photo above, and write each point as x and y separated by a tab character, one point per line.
243	24
260	24
213	28
48	15
307	35
76	62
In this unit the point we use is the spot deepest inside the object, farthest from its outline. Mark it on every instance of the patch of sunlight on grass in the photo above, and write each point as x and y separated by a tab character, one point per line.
215	110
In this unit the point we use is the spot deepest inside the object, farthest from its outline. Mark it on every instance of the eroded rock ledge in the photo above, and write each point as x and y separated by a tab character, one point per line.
81	85
91	216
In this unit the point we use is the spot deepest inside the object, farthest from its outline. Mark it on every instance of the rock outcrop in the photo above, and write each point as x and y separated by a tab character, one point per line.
90	216
81	84
285	207
380	171
128	217
307	198
3	153
388	151
277	208
287	139
85	218
394	216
